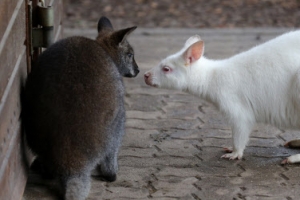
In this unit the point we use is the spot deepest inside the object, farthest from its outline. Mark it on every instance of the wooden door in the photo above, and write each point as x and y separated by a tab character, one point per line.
15	61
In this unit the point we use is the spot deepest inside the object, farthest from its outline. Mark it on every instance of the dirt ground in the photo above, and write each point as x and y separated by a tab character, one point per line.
184	14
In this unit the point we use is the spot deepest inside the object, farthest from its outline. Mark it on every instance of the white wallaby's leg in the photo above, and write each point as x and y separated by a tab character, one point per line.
294	158
240	136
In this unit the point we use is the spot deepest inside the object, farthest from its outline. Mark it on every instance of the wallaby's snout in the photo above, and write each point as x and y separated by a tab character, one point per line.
136	72
132	73
148	77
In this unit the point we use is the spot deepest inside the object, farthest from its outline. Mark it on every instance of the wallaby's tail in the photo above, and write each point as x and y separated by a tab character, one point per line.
77	187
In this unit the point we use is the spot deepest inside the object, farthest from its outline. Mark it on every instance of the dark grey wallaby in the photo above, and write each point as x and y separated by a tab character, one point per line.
74	111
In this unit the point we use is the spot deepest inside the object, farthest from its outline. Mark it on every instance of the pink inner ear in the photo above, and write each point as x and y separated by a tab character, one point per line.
194	52
197	51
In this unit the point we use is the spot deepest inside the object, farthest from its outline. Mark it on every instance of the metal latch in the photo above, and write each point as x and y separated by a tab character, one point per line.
43	34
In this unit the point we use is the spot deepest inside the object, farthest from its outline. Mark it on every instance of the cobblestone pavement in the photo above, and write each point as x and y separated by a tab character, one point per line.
174	141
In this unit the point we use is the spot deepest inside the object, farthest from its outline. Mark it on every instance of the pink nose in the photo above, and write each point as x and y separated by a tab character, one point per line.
147	75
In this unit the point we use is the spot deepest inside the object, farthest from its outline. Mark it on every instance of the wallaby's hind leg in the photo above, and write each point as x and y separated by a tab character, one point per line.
293	144
294	158
107	169
76	187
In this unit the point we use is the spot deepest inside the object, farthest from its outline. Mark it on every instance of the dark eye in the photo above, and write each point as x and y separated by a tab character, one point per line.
130	55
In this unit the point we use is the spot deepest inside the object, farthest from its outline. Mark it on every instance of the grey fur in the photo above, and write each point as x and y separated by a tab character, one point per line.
74	111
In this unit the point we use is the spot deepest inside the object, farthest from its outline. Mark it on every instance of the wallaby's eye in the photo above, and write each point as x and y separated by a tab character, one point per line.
130	55
166	69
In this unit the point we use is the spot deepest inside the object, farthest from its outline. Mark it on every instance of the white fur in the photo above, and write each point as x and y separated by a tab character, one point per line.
261	85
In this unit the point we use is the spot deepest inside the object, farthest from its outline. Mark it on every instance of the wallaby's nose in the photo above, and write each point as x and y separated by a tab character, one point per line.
147	75
147	78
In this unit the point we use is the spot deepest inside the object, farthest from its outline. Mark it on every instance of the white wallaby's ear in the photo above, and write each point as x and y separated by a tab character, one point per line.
192	40
193	53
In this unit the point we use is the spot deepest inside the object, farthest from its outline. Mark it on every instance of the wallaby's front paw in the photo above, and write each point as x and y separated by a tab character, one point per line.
232	155
106	178
103	176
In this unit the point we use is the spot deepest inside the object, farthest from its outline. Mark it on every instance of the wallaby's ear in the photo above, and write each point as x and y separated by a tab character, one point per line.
193	53
121	35
104	24
192	40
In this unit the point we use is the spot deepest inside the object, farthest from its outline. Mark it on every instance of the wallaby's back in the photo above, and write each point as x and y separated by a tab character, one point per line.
79	91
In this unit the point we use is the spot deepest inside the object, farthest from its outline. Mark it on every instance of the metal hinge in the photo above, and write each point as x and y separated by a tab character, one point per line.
42	35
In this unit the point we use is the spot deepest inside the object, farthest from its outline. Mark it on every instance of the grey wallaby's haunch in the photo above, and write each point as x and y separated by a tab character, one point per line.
74	108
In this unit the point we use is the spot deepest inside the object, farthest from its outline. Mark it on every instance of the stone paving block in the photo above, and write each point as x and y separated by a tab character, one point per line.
193	134
186	150
184	98
166	172
175	188
265	131
138	153
263	142
145	90
162	124
135	138
156	160
219	168
288	135
136	114
143	103
122	193
292	176
216	133
181	110
217	142
263	192
267	152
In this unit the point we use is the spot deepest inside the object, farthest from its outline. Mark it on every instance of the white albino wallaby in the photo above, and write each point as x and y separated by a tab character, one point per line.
261	85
